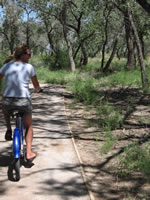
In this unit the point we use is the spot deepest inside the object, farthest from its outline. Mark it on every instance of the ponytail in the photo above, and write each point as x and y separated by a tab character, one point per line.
11	57
20	50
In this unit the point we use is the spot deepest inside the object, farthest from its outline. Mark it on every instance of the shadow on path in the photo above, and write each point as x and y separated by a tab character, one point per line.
62	181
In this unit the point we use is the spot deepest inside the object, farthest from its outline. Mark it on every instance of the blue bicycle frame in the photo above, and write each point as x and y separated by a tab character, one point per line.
18	138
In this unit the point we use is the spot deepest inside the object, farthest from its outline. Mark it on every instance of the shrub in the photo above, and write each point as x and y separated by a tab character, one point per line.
84	90
108	116
57	61
136	158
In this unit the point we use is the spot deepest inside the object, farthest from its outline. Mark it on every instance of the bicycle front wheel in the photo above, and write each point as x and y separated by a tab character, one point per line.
16	143
16	167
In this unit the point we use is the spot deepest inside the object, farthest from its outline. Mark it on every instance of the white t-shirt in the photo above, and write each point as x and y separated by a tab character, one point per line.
17	78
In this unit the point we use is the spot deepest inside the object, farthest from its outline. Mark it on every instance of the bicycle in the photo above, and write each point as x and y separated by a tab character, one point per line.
18	147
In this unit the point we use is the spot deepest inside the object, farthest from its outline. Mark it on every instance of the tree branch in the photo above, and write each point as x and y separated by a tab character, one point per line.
144	4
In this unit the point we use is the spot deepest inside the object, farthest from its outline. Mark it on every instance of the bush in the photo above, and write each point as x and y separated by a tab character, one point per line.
57	61
84	90
108	116
36	61
136	158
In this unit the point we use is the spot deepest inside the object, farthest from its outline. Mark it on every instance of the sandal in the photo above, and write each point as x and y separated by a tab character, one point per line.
30	160
8	135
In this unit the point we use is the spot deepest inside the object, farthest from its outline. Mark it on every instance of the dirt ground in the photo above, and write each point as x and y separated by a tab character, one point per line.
102	170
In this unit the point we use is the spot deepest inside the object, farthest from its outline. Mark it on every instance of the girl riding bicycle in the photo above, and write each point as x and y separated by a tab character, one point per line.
16	96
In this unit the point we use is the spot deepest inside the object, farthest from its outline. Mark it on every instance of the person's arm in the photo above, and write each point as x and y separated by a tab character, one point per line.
36	84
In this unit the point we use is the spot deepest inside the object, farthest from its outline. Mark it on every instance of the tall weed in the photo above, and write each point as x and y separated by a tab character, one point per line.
109	141
136	158
108	116
123	78
84	90
55	77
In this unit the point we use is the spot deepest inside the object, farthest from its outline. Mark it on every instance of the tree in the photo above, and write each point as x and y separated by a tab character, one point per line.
10	28
57	11
51	26
122	7
109	27
145	5
27	10
106	14
78	13
66	33
105	69
139	49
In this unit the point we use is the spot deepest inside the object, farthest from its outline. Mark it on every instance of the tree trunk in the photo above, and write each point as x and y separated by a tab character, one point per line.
84	55
112	56
69	46
104	46
106	16
139	50
53	49
12	26
72	63
28	35
103	55
130	46
141	37
49	35
65	32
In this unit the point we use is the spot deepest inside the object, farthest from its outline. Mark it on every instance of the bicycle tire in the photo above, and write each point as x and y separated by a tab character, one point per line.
18	151
16	169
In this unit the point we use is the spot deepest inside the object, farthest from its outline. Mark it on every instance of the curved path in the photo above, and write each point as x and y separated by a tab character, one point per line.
56	173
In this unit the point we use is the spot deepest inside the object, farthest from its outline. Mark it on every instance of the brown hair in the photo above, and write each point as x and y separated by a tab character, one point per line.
19	51
11	57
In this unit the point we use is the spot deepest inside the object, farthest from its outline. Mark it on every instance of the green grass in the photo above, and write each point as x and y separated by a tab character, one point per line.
84	84
37	61
136	158
109	141
93	65
119	76
55	77
123	78
109	116
84	90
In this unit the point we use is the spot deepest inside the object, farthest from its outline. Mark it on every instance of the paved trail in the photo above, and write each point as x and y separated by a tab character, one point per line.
56	173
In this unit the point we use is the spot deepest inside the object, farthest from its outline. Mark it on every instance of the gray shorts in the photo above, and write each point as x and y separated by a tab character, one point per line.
23	105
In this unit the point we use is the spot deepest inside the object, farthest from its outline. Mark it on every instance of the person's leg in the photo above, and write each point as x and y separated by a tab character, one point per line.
27	121
6	108
8	134
7	119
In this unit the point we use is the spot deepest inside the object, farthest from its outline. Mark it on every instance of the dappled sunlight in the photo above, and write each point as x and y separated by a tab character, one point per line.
103	170
56	169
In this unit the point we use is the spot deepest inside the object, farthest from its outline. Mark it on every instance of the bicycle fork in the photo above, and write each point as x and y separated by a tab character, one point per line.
18	149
